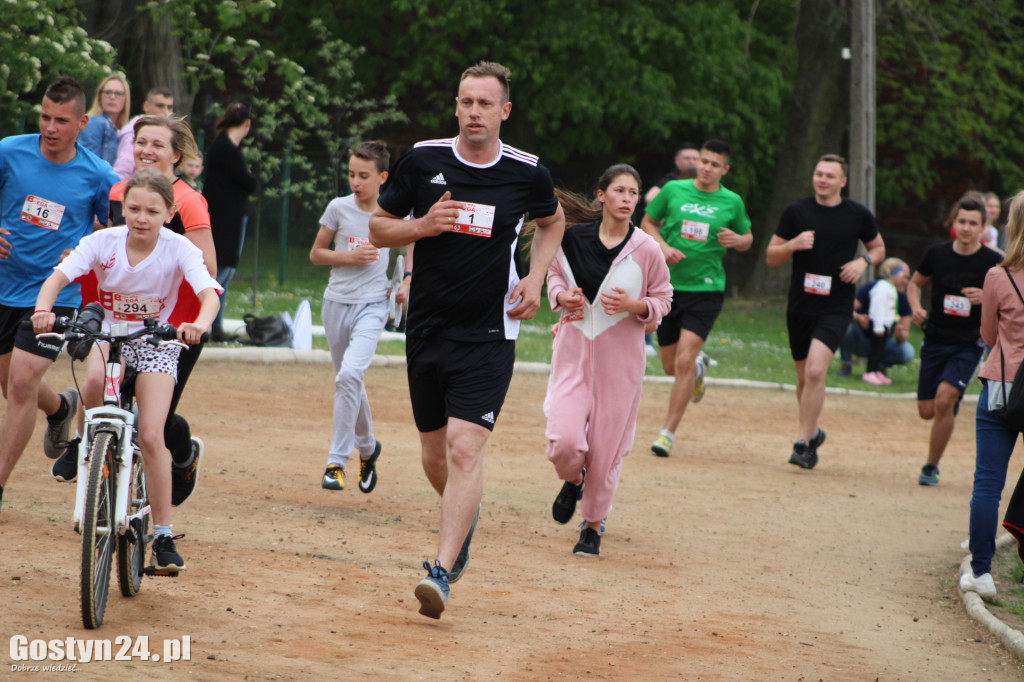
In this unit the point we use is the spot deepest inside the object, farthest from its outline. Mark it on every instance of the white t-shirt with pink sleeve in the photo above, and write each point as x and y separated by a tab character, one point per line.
148	289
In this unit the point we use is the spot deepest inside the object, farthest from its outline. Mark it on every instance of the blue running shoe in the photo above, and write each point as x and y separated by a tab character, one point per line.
432	591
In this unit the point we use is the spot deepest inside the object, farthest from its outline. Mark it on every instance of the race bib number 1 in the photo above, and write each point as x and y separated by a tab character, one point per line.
42	213
959	306
695	231
819	285
475	219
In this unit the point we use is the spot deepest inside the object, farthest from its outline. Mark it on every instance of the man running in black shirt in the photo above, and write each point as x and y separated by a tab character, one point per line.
821	234
469	197
952	330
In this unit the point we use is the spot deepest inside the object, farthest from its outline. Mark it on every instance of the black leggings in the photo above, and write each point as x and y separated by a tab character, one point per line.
177	435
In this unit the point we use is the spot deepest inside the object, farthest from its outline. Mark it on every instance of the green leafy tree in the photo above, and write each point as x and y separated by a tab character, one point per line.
951	86
304	104
39	41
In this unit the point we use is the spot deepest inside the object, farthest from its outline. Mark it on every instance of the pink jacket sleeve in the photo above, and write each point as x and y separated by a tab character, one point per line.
659	285
556	281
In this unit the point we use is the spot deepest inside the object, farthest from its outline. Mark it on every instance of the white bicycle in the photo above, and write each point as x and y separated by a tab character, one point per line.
110	502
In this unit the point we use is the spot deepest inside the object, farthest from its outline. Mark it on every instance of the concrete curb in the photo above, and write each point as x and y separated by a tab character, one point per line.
281	355
1012	639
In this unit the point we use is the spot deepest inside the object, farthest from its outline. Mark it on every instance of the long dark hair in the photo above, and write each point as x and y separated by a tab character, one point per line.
576	207
236	114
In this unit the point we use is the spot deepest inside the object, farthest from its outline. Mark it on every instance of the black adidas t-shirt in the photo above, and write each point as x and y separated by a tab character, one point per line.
815	287
952	318
588	257
462	281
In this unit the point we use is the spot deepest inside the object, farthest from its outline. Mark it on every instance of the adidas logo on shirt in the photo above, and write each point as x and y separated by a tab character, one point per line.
489	417
438	179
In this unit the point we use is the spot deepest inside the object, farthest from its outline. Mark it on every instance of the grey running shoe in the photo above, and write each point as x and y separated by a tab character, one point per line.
55	440
929	475
432	591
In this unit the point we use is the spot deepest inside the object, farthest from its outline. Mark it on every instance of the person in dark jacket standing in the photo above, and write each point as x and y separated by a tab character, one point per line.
226	188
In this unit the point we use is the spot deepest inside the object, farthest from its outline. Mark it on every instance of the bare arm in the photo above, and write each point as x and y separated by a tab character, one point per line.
546	240
43	317
733	240
779	250
914	297
209	304
323	254
672	255
387	229
851	272
651	193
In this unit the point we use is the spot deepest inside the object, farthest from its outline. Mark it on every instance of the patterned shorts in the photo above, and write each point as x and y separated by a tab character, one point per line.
144	357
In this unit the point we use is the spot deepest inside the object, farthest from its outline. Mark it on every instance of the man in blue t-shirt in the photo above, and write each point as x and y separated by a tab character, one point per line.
52	191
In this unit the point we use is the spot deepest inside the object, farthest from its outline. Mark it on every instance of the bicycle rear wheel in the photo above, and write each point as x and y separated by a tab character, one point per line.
131	546
98	529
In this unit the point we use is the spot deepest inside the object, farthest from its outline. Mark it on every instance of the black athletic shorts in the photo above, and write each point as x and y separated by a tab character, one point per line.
694	311
13	336
829	328
457	379
954	363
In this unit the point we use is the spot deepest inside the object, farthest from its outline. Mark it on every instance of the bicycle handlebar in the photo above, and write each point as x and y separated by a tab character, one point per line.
70	329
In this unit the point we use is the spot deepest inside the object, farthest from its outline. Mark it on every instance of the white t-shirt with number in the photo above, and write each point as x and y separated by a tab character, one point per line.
148	289
354	283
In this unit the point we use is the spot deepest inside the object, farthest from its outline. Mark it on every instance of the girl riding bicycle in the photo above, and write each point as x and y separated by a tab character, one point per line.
139	268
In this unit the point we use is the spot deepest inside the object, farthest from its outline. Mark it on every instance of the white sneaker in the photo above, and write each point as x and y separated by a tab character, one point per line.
982	585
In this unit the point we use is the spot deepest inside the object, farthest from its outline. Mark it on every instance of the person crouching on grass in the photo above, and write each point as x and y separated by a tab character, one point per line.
610	281
143	263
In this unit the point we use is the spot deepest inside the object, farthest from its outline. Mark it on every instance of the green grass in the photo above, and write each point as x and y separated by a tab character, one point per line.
749	340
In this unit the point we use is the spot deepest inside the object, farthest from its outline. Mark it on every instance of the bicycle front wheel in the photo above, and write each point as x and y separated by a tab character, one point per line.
131	546
98	529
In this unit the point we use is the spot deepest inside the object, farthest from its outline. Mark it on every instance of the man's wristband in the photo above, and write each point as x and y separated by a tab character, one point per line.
408	273
867	259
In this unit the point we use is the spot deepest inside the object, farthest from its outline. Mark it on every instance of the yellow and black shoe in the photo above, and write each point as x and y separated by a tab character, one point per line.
334	478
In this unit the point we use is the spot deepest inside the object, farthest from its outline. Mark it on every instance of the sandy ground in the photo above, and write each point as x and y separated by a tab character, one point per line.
722	562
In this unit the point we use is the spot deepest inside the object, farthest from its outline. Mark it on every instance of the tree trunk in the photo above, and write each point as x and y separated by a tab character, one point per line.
818	118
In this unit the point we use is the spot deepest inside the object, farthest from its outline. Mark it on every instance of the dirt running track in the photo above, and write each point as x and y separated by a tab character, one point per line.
722	562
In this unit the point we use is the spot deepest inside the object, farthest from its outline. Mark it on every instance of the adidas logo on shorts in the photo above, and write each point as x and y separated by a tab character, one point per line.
438	179
489	417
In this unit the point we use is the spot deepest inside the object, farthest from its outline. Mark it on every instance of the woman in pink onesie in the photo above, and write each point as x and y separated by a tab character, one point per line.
610	281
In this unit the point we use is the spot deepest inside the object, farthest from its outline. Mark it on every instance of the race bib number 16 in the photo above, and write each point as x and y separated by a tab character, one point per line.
475	219
42	213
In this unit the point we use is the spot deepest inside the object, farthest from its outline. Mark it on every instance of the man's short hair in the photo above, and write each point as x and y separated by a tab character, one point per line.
717	147
161	91
67	89
835	158
686	145
492	69
374	150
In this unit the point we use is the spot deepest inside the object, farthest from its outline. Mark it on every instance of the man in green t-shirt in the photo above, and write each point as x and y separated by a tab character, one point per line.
694	222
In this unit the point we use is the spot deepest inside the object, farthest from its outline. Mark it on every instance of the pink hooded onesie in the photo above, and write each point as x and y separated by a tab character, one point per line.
597	370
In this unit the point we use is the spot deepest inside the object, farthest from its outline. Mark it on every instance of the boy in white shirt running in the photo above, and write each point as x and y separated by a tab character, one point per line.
355	310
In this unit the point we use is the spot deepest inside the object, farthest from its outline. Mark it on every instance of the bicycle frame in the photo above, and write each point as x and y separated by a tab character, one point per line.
112	418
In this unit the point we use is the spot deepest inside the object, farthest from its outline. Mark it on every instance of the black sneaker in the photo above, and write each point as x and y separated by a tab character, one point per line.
803	456
165	554
65	469
565	504
462	560
589	544
184	479
368	471
845	369
55	440
817	440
